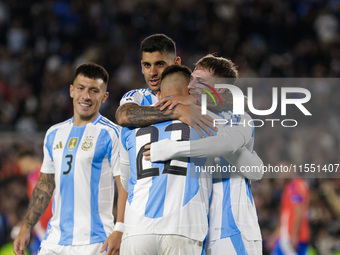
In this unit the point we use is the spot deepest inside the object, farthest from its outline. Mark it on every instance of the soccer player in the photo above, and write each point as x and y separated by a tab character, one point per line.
157	52
293	234
79	165
166	210
233	224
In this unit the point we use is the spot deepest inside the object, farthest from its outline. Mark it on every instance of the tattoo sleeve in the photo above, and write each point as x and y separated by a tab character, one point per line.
140	116
40	199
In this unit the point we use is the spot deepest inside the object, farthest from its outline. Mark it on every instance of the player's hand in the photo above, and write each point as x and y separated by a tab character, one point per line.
162	150
146	154
171	102
21	241
191	115
112	243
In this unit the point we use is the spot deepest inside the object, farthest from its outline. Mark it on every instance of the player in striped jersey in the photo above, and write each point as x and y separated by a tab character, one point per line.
166	211
233	224
80	162
157	52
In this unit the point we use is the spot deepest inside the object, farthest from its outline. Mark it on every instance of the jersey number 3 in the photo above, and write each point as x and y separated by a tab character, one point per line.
69	163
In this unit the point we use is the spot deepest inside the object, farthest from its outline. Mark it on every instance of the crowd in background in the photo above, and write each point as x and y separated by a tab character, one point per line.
41	43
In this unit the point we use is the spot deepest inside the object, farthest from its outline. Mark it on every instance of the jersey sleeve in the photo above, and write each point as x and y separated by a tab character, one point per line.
228	140
133	96
47	166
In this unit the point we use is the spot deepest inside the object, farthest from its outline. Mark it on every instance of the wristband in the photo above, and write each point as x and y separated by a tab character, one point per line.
119	226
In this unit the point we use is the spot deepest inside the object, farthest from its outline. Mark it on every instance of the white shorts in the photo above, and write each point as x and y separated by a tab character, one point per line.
48	248
234	245
160	244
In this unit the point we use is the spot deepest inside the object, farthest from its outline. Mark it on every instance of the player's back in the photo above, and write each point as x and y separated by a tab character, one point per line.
163	197
232	209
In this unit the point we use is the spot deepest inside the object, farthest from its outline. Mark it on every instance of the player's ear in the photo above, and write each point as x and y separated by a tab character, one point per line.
71	90
141	67
106	95
177	60
159	95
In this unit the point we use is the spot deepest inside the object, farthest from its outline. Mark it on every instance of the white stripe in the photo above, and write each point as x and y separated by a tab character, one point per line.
105	197
141	191
174	193
215	213
176	184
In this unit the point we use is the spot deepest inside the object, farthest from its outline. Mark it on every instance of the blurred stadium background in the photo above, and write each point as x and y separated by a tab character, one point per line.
41	43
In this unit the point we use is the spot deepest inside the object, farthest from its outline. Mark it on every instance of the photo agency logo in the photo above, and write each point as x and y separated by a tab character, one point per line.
300	97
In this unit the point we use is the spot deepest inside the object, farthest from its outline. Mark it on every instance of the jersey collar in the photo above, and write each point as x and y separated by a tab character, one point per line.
94	122
151	91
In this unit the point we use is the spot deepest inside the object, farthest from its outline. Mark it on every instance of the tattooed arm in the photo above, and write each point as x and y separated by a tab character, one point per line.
141	116
39	201
131	114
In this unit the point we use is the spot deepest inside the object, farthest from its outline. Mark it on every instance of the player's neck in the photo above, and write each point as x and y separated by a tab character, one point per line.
82	121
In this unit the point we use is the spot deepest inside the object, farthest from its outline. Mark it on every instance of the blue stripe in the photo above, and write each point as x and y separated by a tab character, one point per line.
149	99
238	244
49	143
192	178
249	191
191	185
131	140
155	205
109	147
130	93
108	124
98	118
67	187
97	228
228	226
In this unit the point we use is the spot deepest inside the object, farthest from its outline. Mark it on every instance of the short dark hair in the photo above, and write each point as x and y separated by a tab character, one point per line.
93	71
175	69
158	42
221	67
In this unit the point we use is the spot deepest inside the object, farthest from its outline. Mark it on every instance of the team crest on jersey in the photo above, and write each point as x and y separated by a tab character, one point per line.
72	143
87	144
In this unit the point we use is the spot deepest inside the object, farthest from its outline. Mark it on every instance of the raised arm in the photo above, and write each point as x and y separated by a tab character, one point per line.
131	114
134	115
39	201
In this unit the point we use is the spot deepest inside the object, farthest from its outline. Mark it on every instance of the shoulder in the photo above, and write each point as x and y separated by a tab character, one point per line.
135	91
108	125
60	125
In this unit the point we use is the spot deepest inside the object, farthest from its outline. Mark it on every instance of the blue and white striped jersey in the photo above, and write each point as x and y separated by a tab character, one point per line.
84	160
163	197
232	209
142	97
